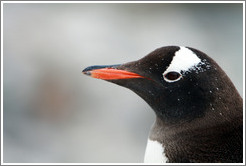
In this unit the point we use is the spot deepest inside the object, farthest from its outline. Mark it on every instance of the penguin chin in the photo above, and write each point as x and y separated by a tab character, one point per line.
151	93
145	88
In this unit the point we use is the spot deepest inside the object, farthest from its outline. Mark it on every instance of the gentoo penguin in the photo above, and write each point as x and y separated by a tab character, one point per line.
199	112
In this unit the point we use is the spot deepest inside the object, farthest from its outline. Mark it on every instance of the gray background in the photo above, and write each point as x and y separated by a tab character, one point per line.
53	113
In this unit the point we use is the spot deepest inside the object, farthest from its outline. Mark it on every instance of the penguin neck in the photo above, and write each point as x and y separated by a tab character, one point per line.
186	137
226	108
162	130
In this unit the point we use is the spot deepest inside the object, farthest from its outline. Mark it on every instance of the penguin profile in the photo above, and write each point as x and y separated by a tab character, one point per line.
199	112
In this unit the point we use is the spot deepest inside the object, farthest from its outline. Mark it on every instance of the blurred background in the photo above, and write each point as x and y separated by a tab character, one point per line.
54	113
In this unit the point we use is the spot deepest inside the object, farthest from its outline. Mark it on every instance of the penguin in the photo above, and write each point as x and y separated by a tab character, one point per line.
199	112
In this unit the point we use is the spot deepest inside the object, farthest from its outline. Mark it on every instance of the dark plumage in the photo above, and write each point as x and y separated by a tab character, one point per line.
199	113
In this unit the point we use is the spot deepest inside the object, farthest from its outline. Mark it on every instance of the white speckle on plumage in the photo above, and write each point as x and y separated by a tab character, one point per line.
210	91
154	152
150	92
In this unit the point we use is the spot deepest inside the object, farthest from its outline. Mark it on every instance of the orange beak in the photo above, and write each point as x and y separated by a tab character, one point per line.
109	73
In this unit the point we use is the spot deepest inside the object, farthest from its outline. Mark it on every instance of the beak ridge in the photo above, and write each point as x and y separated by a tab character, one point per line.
109	72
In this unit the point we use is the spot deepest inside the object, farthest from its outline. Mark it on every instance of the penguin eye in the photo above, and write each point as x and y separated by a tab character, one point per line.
172	76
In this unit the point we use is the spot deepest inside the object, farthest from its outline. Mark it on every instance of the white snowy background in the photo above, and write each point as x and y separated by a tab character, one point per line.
53	113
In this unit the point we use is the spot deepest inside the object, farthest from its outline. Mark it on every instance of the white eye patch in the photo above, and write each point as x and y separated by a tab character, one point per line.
184	60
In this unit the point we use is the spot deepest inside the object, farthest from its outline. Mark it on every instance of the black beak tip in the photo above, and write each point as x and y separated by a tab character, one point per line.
87	70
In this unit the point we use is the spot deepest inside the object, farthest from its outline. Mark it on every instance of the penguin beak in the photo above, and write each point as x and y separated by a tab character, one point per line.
109	73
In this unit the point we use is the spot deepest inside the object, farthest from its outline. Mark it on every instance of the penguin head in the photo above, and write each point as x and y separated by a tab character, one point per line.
179	83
